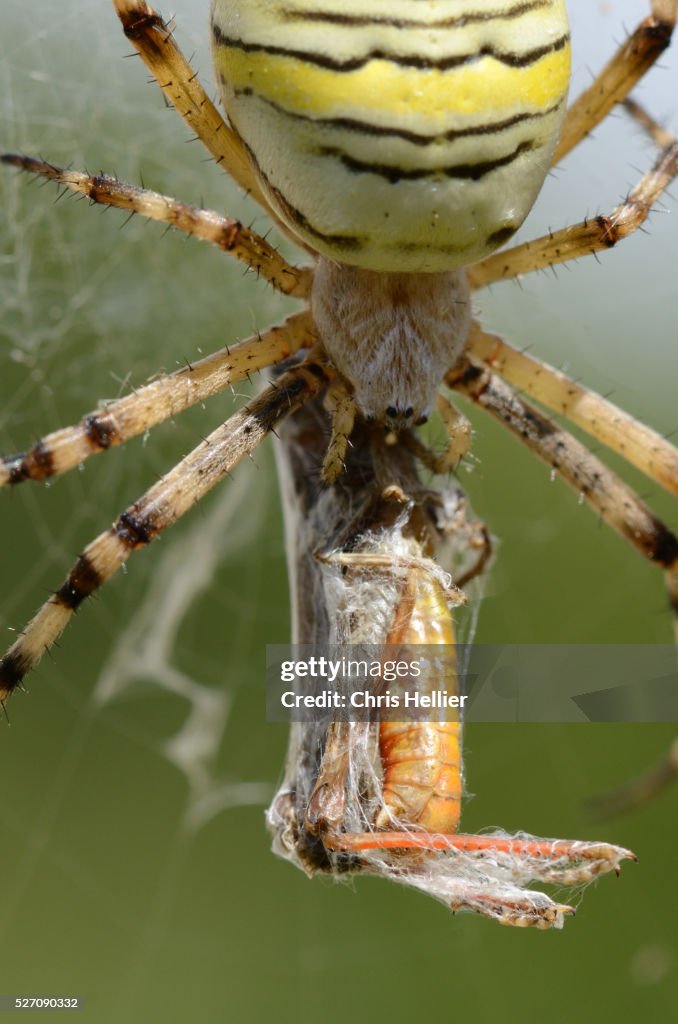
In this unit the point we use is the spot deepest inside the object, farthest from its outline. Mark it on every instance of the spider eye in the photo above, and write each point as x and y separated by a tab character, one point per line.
391	412
408	412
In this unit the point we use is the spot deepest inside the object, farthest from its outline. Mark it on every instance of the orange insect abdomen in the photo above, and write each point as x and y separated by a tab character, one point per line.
421	761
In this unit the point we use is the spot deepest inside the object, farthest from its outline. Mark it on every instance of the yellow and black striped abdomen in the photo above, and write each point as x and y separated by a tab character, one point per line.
397	135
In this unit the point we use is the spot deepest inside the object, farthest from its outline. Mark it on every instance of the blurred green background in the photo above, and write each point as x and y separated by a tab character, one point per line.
137	869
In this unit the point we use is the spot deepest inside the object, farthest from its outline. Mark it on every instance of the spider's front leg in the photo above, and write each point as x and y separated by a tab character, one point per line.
616	503
159	508
637	443
167	396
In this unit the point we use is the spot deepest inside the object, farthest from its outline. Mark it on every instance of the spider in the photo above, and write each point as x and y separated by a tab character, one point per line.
426	281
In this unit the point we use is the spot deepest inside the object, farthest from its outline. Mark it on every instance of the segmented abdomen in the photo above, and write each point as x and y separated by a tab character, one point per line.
400	136
421	761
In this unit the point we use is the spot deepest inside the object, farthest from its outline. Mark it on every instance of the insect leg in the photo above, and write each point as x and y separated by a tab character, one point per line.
564	861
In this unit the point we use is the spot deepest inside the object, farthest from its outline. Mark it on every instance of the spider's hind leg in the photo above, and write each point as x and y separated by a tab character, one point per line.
595	234
154	40
225	233
621	74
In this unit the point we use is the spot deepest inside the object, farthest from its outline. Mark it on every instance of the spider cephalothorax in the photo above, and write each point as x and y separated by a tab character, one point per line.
392	336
